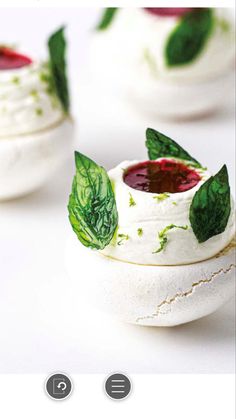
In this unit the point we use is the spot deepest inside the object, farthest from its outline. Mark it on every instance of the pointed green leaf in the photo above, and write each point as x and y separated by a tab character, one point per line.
159	145
107	18
210	208
189	37
57	62
92	205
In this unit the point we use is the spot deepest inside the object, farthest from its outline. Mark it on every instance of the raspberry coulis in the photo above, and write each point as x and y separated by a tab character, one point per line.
10	59
168	11
161	176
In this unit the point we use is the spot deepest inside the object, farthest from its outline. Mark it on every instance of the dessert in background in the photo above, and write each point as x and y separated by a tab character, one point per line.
177	63
161	233
36	130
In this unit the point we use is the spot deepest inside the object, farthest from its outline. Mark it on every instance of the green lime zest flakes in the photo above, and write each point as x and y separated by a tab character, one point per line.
107	18
150	60
223	24
161	197
39	111
15	80
159	145
35	94
163	241
132	202
200	168
122	238
140	232
45	77
162	236
58	68
189	37
92	206
211	206
113	241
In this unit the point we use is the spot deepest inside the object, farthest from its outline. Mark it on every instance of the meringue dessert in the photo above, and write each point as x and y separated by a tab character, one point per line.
156	237
176	63
36	130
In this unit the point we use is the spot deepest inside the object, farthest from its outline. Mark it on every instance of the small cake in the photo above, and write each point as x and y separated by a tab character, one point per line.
177	63
36	130
156	237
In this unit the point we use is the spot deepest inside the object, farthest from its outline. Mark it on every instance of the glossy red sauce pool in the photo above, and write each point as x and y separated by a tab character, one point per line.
10	59
168	11
161	176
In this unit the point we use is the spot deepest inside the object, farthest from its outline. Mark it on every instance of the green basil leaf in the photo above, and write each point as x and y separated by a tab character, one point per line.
210	207
189	37
159	145
107	18
92	205
57	50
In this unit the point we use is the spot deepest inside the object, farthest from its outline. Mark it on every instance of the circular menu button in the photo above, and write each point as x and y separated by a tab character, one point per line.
58	386
118	386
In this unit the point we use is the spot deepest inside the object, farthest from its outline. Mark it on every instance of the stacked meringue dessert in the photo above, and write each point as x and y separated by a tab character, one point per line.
36	130
156	237
176	63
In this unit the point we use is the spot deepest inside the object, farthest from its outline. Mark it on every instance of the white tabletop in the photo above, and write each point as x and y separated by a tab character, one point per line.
43	325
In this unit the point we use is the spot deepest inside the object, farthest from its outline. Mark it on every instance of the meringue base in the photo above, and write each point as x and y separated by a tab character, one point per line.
151	295
182	100
28	161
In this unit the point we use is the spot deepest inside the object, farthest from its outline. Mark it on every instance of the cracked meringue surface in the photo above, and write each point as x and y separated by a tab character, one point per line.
153	295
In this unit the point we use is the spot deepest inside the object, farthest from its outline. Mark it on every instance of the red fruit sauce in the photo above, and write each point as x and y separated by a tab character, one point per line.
167	12
10	60
161	176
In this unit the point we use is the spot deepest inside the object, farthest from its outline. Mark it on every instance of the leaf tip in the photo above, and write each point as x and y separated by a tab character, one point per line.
224	169
223	173
77	156
107	18
58	32
148	130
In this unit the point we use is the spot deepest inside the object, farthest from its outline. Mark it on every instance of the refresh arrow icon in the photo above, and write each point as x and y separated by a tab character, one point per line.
58	386
62	385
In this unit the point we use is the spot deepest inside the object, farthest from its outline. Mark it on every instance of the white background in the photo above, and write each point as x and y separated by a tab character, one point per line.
168	397
118	3
42	326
